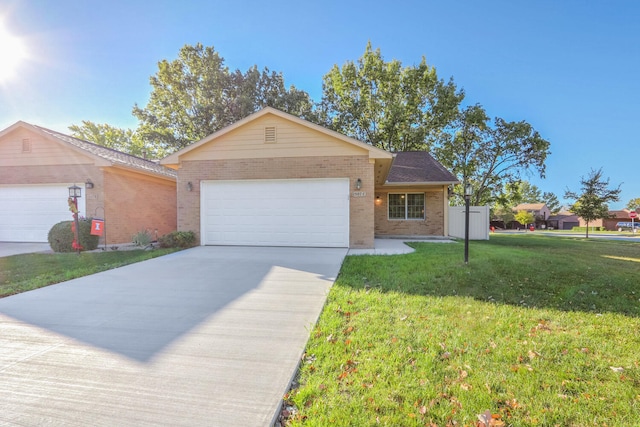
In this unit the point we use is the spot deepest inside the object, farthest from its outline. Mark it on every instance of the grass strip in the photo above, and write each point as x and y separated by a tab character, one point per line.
21	273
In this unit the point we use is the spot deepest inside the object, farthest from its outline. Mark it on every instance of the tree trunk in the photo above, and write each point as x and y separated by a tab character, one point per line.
587	229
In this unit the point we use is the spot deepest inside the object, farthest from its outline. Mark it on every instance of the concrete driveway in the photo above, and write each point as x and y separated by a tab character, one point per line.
209	336
11	248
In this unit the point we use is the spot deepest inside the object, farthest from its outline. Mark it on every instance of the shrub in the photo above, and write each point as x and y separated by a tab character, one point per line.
61	237
178	239
142	238
591	228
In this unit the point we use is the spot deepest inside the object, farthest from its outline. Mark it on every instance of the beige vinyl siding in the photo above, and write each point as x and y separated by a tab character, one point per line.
43	152
292	140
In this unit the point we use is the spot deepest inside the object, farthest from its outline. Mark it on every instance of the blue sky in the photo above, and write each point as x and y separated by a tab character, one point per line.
570	68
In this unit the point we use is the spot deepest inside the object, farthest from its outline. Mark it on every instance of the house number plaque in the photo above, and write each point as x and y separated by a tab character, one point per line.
359	193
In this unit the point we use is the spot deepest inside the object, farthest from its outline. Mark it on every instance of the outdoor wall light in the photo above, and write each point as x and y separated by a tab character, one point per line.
189	186
88	185
358	184
378	199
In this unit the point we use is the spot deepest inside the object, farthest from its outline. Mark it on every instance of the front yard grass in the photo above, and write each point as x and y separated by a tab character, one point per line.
540	331
21	273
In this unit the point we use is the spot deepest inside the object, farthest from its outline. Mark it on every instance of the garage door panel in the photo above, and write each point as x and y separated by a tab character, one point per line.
309	212
27	212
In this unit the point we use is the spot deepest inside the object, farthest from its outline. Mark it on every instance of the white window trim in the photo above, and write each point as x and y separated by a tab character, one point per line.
406	210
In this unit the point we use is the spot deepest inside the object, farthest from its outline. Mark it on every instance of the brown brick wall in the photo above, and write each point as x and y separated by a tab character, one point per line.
137	202
361	232
432	225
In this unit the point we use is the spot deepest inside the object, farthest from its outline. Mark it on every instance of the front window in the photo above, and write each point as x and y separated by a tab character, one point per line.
406	206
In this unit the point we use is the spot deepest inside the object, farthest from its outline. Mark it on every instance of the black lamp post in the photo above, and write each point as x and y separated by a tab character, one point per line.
468	190
74	193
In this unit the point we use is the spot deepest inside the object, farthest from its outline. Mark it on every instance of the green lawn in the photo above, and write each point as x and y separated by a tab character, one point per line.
541	331
21	273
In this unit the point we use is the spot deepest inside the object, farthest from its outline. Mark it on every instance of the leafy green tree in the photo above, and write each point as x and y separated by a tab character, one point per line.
125	140
387	105
634	204
525	218
490	155
592	202
196	95
552	202
503	213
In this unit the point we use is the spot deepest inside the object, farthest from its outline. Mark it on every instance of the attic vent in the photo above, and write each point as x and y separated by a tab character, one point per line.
270	134
26	145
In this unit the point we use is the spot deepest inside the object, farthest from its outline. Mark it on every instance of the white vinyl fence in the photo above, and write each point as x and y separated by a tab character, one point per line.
478	222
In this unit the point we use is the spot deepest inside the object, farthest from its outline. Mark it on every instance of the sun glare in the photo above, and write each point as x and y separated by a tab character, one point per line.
12	53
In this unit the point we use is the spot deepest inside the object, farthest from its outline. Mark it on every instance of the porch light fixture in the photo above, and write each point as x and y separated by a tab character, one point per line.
468	191
378	199
358	184
88	185
75	191
189	186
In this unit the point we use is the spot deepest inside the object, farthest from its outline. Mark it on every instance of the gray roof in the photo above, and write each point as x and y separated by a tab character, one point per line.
412	167
114	156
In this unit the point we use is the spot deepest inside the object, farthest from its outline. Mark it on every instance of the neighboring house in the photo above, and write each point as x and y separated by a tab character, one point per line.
539	210
563	221
614	218
273	179
37	166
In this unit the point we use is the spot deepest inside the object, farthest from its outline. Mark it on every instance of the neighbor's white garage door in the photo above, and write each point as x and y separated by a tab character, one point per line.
27	212
304	212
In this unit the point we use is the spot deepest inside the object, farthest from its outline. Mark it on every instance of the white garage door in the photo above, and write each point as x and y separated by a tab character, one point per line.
304	212
27	212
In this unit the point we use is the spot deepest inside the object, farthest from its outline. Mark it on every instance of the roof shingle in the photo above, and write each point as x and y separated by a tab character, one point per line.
413	167
111	155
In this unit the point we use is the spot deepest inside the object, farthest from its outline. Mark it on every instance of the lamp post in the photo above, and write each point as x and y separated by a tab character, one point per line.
468	190
74	193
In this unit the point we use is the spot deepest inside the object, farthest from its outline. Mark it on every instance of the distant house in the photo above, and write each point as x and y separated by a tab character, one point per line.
568	220
615	217
539	210
563	221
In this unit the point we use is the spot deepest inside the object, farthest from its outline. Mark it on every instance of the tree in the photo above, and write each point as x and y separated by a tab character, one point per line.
196	95
634	204
125	140
525	218
490	155
592	202
387	105
552	202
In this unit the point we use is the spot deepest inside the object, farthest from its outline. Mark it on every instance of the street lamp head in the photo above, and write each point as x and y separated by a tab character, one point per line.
468	190
75	191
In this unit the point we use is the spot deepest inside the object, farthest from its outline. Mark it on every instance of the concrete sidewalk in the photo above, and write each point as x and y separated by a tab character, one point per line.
209	336
12	248
395	246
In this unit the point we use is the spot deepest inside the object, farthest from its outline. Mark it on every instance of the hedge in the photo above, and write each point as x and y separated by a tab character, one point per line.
61	237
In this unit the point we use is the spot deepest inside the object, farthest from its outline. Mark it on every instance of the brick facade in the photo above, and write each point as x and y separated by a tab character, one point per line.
432	225
361	215
138	202
129	202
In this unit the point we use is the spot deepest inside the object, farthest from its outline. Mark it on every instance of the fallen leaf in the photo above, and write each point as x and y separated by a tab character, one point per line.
616	369
485	418
423	410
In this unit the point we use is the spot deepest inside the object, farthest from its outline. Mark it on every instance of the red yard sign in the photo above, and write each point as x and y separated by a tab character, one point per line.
633	214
